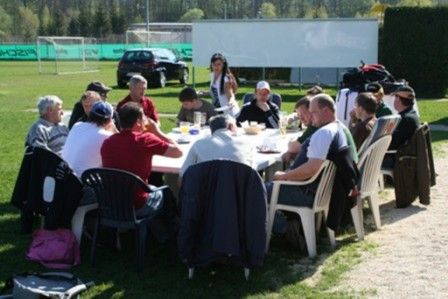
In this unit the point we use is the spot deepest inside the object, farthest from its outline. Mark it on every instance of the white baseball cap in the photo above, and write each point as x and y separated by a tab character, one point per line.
263	85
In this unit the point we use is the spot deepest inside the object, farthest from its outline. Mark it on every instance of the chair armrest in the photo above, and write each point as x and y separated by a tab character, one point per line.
293	183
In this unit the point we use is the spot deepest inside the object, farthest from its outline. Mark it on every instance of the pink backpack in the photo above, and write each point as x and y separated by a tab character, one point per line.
55	249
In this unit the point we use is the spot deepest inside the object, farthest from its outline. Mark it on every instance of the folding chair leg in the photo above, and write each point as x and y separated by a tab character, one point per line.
330	232
309	229
141	246
374	207
270	225
95	236
246	273
356	212
381	181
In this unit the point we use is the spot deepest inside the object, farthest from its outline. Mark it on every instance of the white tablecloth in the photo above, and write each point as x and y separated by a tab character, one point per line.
260	160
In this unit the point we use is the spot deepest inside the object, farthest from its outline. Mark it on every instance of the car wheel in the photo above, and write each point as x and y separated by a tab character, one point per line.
183	79
161	82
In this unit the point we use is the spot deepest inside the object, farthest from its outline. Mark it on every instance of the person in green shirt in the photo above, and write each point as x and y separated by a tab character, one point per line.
378	92
191	104
302	109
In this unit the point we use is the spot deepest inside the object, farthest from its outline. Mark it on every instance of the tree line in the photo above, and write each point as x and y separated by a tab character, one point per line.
25	19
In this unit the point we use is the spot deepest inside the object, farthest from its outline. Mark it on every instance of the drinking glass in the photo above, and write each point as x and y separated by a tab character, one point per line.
203	119
197	118
184	127
283	122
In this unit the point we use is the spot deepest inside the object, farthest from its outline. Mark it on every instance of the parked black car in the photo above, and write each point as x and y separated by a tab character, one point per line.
157	65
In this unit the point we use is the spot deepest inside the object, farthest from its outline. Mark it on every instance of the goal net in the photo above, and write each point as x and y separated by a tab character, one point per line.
67	55
142	38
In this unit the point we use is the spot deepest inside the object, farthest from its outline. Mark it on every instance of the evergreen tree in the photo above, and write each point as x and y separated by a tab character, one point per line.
101	24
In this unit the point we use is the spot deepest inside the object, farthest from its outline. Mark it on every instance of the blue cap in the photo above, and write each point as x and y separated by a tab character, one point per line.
102	109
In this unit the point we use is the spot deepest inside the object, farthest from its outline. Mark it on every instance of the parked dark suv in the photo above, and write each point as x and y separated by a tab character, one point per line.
157	65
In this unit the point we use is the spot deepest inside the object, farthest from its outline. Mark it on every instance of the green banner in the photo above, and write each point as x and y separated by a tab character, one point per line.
91	51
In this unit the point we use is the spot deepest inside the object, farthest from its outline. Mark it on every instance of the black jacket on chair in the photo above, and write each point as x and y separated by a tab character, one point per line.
223	214
28	196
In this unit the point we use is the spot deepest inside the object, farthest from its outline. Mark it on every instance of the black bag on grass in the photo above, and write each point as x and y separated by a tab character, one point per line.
356	79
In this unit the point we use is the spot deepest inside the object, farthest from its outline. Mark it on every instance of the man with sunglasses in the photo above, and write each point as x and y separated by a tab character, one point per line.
403	103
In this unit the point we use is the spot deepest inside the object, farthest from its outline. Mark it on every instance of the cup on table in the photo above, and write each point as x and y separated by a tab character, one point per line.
203	118
197	119
282	122
184	127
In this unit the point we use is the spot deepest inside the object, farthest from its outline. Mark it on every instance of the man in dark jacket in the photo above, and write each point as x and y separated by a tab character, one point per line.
403	103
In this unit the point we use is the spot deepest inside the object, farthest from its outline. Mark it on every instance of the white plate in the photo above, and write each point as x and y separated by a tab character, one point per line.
176	130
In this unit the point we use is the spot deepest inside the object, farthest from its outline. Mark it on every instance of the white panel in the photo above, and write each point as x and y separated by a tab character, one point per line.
287	43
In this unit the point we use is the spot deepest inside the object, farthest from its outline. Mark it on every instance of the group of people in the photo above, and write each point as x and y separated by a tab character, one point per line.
129	136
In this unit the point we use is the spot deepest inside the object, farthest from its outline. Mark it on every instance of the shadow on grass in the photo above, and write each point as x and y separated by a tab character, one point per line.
440	121
115	272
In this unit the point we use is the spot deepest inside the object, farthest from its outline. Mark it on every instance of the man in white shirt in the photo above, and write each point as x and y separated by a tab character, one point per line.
220	145
82	148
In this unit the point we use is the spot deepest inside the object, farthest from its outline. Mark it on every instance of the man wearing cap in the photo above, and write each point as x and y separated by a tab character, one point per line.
378	92
137	88
48	132
260	109
403	103
79	113
82	148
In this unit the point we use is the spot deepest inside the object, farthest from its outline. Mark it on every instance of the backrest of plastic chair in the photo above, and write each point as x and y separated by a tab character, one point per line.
324	189
370	164
115	190
248	97
275	98
384	125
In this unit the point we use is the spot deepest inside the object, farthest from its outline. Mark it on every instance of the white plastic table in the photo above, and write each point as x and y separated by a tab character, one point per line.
260	160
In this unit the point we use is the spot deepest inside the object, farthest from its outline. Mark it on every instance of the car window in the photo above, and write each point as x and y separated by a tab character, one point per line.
165	54
137	56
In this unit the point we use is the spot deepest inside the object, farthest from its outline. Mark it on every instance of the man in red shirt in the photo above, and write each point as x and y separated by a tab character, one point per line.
132	150
137	88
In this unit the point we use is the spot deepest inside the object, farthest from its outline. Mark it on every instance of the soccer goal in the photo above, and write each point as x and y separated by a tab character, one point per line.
142	38
67	55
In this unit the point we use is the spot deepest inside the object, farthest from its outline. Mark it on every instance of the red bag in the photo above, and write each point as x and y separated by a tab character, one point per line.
55	249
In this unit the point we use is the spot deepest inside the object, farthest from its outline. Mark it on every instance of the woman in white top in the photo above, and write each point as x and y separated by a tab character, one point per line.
223	85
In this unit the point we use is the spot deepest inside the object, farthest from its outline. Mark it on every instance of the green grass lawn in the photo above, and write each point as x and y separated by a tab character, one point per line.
285	272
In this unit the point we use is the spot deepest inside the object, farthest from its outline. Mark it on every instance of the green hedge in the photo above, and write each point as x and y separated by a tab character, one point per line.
415	47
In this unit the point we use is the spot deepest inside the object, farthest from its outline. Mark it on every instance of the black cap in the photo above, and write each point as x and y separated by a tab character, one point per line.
374	87
98	87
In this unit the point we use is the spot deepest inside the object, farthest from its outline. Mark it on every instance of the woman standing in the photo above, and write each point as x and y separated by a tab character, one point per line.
223	85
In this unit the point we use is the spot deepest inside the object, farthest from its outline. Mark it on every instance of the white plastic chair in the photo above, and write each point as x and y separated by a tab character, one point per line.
321	204
370	168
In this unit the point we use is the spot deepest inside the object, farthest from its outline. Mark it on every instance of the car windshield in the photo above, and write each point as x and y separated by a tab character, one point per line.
137	56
